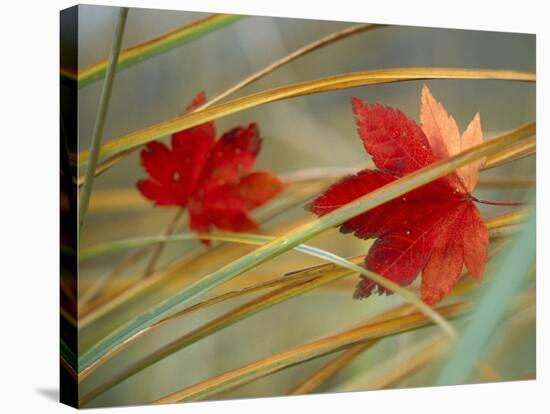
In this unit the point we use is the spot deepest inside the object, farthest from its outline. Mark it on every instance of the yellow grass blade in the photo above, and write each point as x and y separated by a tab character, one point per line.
516	152
320	376
344	81
391	373
309	351
506	182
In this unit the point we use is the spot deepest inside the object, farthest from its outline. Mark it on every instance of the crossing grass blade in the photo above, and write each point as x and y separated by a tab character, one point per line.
319	377
516	152
68	355
501	221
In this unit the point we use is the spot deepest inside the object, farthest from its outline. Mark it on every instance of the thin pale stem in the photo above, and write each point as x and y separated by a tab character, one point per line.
95	290
158	247
97	134
325	41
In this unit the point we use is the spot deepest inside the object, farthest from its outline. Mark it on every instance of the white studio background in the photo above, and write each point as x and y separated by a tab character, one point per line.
29	215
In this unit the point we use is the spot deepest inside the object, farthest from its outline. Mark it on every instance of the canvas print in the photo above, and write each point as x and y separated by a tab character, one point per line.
260	206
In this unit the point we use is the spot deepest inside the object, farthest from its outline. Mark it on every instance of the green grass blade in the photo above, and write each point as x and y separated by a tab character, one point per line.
505	221
113	246
97	134
495	299
312	251
299	235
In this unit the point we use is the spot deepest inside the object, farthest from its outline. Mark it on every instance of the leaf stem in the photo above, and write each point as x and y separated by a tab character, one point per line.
100	119
499	203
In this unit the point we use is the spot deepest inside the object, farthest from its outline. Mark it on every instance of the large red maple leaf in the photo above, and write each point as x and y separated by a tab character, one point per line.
213	179
435	229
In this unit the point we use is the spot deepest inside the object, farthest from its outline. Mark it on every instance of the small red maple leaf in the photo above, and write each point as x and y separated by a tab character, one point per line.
435	229
213	179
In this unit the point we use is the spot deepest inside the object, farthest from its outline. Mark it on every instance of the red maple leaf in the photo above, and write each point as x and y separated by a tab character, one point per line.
435	229
213	179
